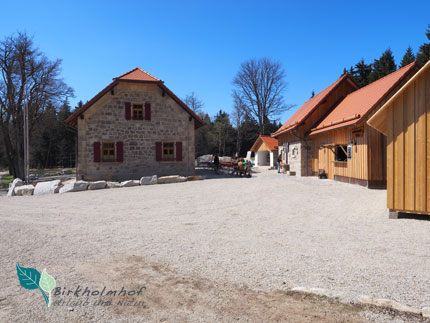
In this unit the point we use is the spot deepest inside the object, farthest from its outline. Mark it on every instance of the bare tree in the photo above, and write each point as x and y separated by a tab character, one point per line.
261	85
194	103
26	74
238	116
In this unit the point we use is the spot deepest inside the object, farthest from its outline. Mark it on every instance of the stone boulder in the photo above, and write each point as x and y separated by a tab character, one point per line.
74	186
50	187
149	180
16	182
130	183
97	185
24	190
225	159
204	159
194	178
113	185
169	179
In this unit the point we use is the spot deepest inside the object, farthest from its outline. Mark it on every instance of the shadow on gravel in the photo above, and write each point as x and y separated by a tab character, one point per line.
421	217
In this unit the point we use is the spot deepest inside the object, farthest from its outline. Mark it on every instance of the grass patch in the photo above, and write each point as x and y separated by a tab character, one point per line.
5	180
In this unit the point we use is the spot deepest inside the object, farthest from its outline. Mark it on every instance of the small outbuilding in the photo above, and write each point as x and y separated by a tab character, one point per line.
405	120
265	149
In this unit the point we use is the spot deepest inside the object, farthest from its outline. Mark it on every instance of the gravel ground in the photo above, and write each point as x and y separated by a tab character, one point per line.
264	234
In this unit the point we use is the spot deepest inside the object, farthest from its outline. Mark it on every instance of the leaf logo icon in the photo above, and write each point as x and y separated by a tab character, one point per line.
30	278
47	283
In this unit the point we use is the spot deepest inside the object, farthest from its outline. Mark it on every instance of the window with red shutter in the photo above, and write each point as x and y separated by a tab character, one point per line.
127	111
119	151
147	111
97	157
158	151
179	151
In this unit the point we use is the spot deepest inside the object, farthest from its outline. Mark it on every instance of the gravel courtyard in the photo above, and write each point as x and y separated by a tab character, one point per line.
205	245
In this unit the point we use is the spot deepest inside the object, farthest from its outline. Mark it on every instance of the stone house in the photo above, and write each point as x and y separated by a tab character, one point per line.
134	127
295	148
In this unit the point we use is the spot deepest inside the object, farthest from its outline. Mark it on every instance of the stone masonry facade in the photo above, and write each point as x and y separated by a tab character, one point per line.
105	122
298	158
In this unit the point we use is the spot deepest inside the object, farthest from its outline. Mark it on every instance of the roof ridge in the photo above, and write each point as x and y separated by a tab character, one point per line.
382	78
136	69
147	73
126	73
319	97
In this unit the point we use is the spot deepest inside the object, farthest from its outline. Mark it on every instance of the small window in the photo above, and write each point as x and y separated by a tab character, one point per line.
341	154
108	152
168	151
137	111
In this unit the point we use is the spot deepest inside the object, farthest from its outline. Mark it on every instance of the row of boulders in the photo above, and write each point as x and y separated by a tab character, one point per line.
18	187
205	159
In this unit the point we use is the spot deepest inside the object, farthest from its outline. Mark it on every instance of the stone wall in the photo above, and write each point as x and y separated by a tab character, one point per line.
299	158
105	122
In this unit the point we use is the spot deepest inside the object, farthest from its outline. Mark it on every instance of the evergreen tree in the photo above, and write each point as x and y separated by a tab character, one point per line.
408	58
362	72
423	55
202	143
383	66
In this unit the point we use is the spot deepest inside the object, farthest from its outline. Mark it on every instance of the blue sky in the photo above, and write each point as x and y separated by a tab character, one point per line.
199	45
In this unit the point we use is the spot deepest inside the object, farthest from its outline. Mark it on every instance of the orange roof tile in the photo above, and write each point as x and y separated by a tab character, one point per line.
137	74
357	105
270	142
309	106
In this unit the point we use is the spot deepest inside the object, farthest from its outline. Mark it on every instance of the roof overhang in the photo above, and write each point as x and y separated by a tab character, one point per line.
379	119
72	120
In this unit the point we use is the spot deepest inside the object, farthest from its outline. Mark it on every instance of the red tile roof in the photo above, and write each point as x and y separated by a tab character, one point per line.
270	142
357	105
309	106
136	75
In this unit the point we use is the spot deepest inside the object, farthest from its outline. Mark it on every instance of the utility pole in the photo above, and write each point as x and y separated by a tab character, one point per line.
26	140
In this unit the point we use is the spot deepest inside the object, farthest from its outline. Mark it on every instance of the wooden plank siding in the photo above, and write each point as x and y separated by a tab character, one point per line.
408	148
324	158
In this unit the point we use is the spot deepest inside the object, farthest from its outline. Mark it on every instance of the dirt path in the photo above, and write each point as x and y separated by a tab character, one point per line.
208	254
170	297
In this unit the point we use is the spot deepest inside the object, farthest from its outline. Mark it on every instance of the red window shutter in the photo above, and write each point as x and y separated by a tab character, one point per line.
97	157
158	151
147	111
119	151
127	111
179	151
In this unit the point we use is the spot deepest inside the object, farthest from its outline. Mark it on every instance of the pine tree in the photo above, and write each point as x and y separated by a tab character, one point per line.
345	71
423	55
383	66
362	72
408	58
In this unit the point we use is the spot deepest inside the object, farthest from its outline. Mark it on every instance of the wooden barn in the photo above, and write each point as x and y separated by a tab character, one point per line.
405	121
293	144
344	147
265	149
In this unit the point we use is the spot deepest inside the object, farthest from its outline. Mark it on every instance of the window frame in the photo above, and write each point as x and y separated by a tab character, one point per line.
113	148
173	151
344	150
140	107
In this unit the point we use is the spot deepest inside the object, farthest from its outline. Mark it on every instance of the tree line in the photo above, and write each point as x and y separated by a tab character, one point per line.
29	77
365	74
